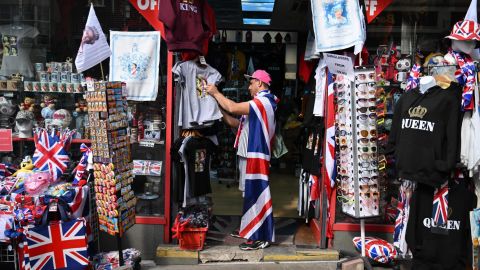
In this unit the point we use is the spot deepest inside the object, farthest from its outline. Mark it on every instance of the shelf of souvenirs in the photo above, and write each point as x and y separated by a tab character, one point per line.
88	141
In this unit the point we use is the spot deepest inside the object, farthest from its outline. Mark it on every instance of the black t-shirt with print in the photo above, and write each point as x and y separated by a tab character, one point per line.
438	251
199	151
312	150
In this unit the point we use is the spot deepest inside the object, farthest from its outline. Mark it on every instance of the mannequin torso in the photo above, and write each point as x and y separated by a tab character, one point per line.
426	82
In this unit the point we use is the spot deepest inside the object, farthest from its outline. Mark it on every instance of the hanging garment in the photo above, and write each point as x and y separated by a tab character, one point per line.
187	24
405	194
257	220
197	109
424	134
436	251
470	132
465	77
338	25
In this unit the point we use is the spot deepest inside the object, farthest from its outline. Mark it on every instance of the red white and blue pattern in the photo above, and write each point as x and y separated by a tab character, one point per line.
147	167
376	249
465	30
81	168
50	153
257	220
414	77
330	166
465	76
61	245
440	205
406	190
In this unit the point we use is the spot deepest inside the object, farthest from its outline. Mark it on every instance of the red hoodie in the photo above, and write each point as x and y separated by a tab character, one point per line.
186	22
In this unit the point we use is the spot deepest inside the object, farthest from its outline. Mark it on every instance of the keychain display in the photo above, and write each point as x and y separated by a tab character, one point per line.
356	125
107	111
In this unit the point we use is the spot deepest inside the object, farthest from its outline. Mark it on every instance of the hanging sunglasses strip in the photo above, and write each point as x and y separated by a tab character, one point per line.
356	137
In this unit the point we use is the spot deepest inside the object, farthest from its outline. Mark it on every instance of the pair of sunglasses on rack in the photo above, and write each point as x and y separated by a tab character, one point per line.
361	77
367	149
364	133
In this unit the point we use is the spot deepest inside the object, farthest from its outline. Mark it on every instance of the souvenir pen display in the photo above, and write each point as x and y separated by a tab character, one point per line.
107	111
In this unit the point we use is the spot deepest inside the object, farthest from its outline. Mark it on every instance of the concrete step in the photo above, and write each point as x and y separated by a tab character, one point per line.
172	255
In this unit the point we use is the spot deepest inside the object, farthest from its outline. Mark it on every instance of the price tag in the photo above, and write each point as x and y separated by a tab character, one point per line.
202	60
53	207
147	144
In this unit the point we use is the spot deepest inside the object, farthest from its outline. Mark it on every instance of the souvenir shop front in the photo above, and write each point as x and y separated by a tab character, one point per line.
374	123
106	124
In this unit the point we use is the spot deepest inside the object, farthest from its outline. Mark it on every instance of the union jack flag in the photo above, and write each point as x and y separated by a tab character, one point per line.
50	153
376	249
440	205
82	165
414	77
147	167
61	245
257	220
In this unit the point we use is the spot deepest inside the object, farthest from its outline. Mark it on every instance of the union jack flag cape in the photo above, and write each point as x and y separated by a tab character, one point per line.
51	152
257	220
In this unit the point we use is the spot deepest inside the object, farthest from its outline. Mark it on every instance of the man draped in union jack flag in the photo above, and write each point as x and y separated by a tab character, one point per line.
256	129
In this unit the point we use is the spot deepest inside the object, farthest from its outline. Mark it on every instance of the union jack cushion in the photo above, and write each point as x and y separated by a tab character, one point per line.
376	249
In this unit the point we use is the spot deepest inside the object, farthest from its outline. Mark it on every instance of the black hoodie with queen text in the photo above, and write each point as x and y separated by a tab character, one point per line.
424	134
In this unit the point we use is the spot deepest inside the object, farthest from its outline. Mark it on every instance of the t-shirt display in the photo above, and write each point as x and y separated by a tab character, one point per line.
197	109
17	42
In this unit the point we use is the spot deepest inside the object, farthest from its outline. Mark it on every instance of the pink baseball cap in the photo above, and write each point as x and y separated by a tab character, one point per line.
260	75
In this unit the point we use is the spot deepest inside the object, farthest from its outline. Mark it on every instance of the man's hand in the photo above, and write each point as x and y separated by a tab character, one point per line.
211	89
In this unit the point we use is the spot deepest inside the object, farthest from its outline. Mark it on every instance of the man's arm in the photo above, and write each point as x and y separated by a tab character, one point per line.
230	120
242	108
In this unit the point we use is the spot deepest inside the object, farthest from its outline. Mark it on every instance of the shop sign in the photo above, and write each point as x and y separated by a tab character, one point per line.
340	64
6	144
375	7
149	10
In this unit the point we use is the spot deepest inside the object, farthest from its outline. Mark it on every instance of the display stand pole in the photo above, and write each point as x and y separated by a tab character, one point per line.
120	250
101	70
362	235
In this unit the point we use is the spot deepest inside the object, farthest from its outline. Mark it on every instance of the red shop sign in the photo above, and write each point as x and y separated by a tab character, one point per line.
6	144
149	10
375	7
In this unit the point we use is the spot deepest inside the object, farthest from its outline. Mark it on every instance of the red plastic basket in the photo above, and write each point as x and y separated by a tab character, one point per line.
192	238
189	238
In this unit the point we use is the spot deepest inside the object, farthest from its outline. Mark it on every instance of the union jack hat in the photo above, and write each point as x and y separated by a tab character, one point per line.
465	30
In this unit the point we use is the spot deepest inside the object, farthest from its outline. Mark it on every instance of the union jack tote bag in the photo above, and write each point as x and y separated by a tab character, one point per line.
60	245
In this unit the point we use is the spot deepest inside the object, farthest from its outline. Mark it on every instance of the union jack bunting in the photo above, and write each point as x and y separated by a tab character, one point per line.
413	77
376	249
61	245
82	165
466	77
147	167
50	153
440	205
257	220
7	184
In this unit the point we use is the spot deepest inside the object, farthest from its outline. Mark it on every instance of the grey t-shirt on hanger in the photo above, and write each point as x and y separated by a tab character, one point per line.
197	109
17	44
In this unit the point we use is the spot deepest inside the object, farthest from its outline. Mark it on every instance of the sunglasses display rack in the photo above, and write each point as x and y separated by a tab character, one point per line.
356	136
111	156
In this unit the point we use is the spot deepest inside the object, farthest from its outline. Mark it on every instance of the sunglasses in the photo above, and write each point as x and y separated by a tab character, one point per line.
340	94
366	149
367	109
367	157
365	133
341	101
367	164
365	117
365	188
365	102
364	76
341	132
366	140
